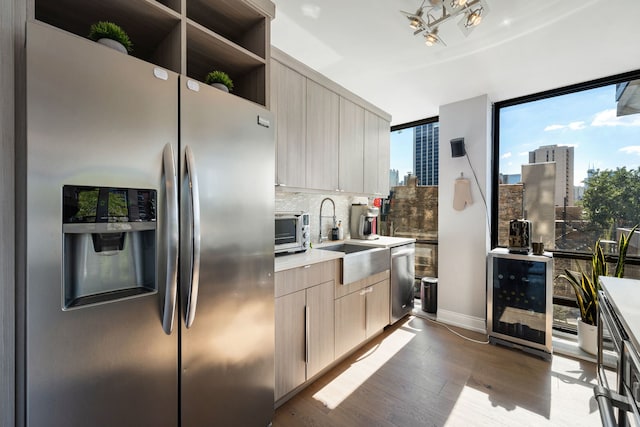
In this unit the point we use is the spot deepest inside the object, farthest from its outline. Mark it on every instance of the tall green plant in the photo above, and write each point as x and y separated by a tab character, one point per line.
586	286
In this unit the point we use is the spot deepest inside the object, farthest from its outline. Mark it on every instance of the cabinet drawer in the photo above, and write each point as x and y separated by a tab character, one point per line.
342	290
296	279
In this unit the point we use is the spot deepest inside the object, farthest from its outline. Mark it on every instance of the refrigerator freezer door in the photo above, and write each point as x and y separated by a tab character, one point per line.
227	374
95	117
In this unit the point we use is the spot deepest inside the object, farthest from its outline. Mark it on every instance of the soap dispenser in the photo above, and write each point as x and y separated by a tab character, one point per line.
340	231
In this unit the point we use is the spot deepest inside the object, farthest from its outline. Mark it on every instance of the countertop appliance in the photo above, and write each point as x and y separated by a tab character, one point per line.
402	280
364	222
520	236
155	173
618	326
292	232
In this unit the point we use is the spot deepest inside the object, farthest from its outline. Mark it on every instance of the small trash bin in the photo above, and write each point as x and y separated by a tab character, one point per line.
429	294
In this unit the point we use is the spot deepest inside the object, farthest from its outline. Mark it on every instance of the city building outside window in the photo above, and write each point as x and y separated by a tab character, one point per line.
412	207
569	161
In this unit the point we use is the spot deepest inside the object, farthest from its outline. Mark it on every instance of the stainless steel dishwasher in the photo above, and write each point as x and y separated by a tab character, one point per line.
402	276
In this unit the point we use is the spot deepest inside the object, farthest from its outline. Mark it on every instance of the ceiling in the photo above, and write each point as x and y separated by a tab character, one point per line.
522	47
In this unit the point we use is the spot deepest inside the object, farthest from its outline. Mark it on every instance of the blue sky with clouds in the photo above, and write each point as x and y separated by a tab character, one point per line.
402	151
585	120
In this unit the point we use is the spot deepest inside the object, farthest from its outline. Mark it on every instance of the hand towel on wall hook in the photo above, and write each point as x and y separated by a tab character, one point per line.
462	193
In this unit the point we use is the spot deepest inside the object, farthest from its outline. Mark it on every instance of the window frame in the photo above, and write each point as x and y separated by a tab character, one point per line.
495	164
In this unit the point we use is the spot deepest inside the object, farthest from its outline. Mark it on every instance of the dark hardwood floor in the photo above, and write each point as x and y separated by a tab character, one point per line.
417	373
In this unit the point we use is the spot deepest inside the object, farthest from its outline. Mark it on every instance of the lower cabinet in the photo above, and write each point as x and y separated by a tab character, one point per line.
377	307
290	342
304	326
360	315
318	320
350	322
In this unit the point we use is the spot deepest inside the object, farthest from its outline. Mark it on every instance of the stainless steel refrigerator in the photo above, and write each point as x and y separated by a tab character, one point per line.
148	244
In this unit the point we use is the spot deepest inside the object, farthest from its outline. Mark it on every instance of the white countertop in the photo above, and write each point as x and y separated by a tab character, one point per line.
624	296
383	242
316	254
312	256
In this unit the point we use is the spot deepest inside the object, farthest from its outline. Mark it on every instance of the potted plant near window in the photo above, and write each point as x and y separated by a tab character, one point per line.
110	34
220	80
586	287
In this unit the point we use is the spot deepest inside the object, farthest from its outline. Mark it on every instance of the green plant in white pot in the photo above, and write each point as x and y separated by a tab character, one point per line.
220	80
110	34
586	287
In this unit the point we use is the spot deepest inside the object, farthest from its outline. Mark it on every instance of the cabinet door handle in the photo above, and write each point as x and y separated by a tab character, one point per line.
306	334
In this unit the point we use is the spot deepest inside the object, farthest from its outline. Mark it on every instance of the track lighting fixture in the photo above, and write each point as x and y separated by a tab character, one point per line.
427	19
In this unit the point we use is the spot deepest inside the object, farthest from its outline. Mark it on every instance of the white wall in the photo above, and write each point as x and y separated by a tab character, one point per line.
463	236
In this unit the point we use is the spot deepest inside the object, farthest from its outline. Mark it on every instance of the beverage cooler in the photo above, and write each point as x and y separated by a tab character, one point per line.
519	300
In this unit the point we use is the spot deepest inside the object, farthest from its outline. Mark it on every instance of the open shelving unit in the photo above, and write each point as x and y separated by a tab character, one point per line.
190	37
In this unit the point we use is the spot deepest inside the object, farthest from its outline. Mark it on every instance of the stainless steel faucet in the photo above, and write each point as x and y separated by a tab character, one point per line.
320	238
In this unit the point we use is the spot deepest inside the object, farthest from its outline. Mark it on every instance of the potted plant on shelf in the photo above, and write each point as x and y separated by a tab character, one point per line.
586	287
110	34
220	80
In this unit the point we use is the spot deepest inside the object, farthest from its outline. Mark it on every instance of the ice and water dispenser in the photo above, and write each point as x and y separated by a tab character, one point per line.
109	244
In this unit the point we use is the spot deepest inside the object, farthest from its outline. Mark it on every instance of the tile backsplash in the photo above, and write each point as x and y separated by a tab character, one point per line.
310	202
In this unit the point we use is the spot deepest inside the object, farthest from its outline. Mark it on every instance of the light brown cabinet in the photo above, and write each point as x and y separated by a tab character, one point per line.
345	145
288	101
320	324
190	37
323	121
377	307
290	357
361	313
376	154
352	134
304	311
350	322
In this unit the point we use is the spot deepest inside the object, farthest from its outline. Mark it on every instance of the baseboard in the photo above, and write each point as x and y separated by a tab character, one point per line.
476	324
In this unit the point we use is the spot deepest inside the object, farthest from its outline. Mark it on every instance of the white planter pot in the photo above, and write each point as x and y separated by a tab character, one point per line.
220	86
113	45
588	337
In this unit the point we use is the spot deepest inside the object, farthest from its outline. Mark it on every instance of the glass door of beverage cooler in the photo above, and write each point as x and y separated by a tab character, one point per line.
519	299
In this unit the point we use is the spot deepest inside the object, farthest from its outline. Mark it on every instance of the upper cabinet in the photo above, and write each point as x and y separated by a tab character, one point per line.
346	142
351	170
376	154
288	103
191	37
323	120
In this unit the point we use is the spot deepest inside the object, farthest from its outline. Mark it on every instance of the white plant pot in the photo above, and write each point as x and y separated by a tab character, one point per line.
588	337
113	45
220	86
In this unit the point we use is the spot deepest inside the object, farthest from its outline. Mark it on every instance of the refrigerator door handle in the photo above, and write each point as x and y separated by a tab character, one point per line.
194	256
171	189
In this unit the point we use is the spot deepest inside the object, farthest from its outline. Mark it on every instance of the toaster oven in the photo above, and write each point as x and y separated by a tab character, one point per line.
292	232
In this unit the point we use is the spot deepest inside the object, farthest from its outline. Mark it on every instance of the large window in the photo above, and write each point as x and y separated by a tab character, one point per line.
569	161
412	208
